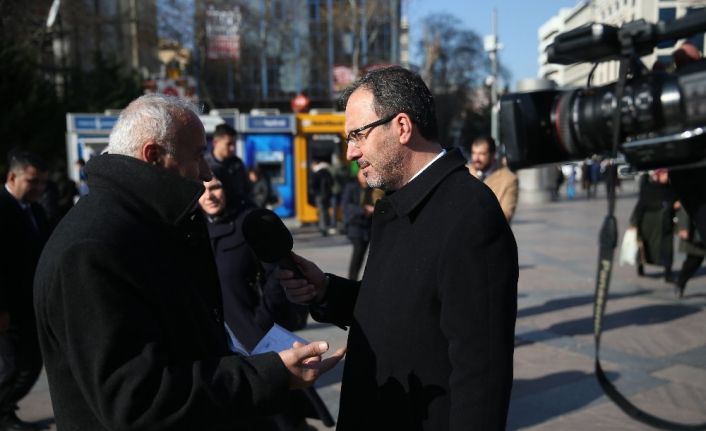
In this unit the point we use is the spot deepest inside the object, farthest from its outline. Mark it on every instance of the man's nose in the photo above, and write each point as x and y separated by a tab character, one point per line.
353	152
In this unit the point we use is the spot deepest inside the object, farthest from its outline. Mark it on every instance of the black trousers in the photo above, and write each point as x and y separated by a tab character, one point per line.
20	364
688	269
360	245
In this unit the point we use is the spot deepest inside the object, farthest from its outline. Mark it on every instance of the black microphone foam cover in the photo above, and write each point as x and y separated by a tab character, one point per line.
267	235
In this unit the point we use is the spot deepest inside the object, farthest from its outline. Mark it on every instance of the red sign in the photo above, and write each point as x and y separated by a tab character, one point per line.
300	103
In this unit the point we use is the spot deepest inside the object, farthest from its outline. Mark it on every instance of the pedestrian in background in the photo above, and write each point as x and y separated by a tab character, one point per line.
432	321
485	166
321	188
223	160
691	244
558	181
571	183
358	205
261	189
128	304
23	232
653	217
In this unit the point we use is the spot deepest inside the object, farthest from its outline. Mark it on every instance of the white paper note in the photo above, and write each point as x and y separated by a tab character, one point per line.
276	340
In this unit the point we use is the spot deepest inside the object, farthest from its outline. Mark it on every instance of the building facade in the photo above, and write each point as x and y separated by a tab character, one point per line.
286	48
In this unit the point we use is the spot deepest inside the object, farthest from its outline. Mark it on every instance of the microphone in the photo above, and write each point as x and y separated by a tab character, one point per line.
270	239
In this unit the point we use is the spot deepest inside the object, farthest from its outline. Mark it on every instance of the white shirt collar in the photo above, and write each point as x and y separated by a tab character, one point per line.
438	156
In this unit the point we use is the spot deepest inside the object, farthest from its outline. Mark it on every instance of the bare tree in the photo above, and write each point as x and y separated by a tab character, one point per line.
454	66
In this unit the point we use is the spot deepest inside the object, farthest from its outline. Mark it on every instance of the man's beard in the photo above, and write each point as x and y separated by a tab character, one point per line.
387	173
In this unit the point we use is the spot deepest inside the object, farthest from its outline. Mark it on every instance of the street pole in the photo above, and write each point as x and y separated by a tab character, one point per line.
492	47
135	51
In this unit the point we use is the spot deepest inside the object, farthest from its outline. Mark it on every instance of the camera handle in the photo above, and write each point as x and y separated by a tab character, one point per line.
608	240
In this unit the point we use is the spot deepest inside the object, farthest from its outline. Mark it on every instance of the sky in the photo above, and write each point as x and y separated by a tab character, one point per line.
518	22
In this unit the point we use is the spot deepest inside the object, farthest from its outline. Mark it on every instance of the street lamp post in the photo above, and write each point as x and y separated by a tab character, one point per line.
492	46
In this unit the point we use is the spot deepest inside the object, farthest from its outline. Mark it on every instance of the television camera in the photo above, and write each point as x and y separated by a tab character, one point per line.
662	115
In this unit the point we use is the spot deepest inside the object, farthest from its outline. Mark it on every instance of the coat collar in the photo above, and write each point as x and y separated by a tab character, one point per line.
406	199
159	193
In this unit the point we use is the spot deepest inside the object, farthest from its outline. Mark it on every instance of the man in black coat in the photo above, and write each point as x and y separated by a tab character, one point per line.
127	299
225	163
23	234
432	322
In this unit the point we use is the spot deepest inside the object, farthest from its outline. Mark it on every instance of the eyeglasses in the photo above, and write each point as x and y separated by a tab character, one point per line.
354	136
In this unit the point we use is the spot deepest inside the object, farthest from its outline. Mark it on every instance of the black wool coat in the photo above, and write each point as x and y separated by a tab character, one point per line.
22	243
130	317
432	321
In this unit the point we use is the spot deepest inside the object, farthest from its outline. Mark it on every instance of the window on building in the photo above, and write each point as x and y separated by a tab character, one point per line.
697	39
277	9
667	14
666	60
314	10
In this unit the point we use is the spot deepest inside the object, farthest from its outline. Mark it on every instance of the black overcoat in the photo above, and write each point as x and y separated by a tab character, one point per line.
22	243
129	312
432	322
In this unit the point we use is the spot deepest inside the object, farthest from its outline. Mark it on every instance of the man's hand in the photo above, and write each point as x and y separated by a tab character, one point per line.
308	290
305	364
683	234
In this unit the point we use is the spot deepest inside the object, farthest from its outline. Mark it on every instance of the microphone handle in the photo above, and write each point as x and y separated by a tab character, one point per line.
288	263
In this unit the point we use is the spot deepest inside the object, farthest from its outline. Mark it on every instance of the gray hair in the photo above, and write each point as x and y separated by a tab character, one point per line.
152	117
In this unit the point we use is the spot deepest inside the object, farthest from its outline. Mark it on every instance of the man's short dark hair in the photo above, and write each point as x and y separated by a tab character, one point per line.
19	160
485	139
224	130
396	90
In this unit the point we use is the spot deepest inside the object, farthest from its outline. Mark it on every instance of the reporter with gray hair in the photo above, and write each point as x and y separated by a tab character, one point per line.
127	299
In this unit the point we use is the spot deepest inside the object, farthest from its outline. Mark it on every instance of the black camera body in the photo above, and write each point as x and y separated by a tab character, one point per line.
662	115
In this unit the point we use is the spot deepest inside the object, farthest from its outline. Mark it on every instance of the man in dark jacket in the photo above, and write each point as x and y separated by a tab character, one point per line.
23	234
225	163
432	322
128	306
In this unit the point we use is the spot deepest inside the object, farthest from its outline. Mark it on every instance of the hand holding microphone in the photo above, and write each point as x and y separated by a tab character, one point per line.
303	281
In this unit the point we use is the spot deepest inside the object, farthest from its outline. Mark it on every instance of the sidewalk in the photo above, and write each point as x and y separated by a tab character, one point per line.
653	348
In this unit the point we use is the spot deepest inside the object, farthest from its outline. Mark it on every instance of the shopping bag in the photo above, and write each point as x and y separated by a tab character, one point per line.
629	248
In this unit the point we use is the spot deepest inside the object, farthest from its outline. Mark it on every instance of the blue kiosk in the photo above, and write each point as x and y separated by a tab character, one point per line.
268	145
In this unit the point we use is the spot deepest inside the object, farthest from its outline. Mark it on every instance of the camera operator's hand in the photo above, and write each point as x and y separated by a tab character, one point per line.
305	364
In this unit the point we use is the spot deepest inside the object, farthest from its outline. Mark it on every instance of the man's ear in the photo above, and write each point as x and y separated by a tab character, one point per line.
11	177
405	127
152	153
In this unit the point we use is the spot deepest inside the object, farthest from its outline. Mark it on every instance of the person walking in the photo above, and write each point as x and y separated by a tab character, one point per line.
321	188
653	218
691	244
358	204
432	321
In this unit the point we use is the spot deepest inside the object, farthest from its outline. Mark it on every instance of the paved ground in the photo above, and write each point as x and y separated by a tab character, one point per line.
654	348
